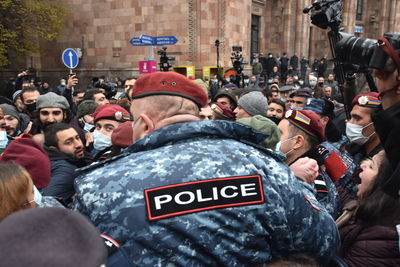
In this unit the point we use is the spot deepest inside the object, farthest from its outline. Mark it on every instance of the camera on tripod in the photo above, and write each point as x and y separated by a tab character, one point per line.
165	60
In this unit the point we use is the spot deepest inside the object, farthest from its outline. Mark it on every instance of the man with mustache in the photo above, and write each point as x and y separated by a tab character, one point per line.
66	153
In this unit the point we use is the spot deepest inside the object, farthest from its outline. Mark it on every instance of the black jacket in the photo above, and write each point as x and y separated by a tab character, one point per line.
62	174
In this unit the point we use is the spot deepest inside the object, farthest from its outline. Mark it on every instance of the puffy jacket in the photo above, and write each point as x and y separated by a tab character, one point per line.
375	245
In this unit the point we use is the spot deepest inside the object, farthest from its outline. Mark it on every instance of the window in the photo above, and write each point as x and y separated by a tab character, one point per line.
255	33
360	9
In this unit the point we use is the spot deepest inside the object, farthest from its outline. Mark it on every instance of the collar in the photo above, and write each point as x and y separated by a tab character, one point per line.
188	130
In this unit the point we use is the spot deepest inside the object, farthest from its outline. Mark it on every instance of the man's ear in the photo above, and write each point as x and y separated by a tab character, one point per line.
299	142
149	124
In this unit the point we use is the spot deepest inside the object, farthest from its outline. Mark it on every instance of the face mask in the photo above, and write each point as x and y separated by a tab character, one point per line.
296	108
214	81
246	81
31	107
296	77
278	149
313	83
320	84
63	84
274	119
3	139
301	82
354	133
38	197
270	56
88	127
101	141
270	81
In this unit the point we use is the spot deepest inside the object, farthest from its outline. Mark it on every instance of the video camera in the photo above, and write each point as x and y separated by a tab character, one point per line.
165	60
109	87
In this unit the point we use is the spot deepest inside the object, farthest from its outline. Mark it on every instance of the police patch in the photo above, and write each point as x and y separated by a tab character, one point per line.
172	200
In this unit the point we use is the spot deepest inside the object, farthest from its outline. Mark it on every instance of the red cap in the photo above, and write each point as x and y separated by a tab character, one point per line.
307	121
111	112
223	110
369	100
30	155
169	83
123	135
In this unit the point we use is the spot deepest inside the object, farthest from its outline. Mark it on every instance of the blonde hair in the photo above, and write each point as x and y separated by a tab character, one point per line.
14	186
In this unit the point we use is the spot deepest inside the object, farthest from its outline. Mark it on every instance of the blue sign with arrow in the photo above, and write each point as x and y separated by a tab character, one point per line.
70	58
144	40
166	40
147	39
135	41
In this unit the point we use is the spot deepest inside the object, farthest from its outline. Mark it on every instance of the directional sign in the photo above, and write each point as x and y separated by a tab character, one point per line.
135	41
147	39
165	40
70	58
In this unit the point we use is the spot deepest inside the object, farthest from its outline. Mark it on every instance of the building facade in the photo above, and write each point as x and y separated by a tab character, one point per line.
102	30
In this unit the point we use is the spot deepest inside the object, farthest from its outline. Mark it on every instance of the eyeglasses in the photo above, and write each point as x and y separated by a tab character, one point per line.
46	113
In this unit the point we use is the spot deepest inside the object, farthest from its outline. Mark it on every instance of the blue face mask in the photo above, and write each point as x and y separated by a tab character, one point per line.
278	149
313	83
296	108
3	139
101	141
88	127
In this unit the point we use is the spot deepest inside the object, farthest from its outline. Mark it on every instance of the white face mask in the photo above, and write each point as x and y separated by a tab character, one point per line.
38	197
101	141
354	133
246	81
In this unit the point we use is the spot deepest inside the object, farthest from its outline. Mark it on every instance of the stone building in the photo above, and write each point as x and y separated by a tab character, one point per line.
102	29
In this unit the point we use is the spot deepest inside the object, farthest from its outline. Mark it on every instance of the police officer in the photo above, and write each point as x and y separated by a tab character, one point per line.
191	192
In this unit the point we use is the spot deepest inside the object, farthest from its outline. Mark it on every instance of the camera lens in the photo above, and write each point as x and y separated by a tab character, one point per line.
355	50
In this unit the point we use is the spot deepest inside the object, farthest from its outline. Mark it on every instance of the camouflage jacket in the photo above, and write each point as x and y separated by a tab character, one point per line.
195	194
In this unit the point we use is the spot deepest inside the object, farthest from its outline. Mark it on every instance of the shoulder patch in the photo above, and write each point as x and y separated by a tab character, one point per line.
110	244
313	205
178	199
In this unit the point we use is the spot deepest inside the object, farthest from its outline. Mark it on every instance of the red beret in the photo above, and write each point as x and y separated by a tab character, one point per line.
369	100
111	112
123	135
32	157
223	110
307	121
169	83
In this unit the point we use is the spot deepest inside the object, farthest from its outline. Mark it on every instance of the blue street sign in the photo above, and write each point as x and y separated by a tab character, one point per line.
165	40
147	39
70	58
135	41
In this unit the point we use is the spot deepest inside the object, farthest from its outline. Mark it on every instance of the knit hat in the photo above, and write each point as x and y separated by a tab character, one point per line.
223	110
10	110
123	136
254	103
86	107
30	155
307	121
320	106
169	83
264	125
50	237
51	100
16	95
369	100
111	112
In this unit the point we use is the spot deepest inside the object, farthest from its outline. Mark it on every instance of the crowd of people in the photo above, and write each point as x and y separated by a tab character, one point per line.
180	172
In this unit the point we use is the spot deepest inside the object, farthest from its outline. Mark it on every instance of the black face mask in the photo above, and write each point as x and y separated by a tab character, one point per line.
320	84
275	120
31	107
